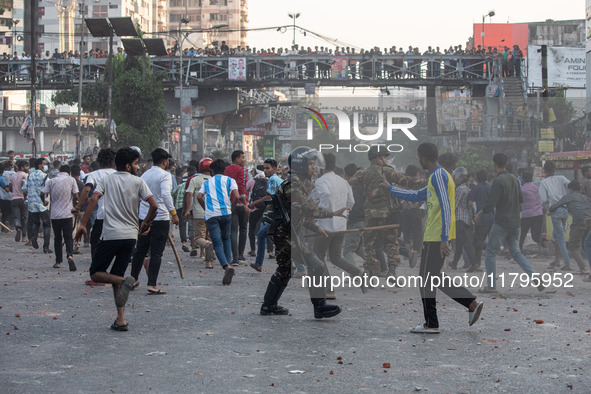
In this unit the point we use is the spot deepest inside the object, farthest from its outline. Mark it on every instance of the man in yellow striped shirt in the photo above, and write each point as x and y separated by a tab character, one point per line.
441	229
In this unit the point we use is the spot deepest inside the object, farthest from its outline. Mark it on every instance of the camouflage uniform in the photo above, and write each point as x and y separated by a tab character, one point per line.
381	208
303	213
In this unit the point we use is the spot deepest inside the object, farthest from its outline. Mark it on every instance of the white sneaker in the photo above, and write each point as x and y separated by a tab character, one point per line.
474	315
421	329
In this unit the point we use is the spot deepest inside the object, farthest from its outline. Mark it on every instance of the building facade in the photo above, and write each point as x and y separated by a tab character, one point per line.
213	21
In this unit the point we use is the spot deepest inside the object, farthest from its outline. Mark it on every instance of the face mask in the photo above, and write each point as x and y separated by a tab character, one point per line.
51	157
45	168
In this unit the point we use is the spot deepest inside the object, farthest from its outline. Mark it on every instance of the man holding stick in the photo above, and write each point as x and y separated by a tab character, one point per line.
160	183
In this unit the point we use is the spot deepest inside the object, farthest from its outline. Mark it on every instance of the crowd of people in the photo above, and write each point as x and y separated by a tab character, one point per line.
126	206
387	63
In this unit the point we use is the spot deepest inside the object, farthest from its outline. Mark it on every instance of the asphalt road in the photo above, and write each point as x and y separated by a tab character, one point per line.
204	337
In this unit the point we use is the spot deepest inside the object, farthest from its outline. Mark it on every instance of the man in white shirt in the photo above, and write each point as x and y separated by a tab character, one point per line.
122	192
332	192
214	197
62	190
552	189
106	160
160	183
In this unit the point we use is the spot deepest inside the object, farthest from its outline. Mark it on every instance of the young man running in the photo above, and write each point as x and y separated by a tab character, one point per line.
122	192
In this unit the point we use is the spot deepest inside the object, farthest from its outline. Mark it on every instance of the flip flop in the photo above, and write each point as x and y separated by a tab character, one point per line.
209	265
117	327
156	292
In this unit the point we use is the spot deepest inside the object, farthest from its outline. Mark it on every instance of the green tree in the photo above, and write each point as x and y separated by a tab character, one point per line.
137	106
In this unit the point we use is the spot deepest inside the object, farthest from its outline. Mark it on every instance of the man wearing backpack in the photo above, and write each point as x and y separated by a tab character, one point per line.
270	169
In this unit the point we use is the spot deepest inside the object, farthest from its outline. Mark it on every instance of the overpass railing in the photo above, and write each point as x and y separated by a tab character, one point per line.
199	70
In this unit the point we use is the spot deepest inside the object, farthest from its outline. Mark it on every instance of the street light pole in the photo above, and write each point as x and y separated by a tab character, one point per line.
81	75
491	13
294	16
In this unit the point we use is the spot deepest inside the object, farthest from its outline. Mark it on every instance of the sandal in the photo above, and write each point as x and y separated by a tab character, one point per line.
156	292
57	265
256	267
117	327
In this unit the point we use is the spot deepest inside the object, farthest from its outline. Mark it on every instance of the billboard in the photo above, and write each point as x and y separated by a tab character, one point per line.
566	66
500	35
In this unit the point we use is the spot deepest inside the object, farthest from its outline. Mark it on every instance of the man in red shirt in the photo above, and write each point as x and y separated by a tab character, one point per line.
240	213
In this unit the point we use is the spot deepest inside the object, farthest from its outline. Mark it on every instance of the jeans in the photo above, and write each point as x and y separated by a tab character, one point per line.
220	229
62	228
37	219
464	242
261	240
154	242
480	234
497	235
559	218
19	215
239	232
253	221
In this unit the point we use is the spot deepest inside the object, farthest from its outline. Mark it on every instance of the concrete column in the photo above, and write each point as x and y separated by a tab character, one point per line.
186	95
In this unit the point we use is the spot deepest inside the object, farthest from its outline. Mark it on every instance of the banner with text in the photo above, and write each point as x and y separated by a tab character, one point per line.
566	66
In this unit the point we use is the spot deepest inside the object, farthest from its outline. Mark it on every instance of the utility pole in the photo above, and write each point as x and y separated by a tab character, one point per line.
110	94
81	75
34	21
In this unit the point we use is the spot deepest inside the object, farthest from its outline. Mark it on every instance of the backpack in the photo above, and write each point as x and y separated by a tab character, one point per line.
259	190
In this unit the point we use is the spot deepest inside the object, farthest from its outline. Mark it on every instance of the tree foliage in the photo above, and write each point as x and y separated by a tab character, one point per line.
137	105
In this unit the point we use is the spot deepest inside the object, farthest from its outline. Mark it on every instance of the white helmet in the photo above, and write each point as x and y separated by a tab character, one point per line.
135	148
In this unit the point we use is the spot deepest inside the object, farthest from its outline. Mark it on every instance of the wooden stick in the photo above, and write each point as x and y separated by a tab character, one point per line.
357	230
3	225
176	255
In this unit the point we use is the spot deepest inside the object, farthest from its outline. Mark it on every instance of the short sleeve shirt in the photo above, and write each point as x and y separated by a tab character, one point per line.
93	179
17	180
273	184
194	187
217	191
60	190
34	186
122	193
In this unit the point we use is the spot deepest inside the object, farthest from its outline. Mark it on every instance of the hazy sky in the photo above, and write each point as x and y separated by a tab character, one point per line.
367	23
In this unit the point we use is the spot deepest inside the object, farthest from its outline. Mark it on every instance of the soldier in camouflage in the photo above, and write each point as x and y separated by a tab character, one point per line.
285	232
380	209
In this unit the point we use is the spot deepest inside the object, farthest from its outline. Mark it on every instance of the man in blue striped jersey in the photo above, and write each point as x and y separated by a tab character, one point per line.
214	197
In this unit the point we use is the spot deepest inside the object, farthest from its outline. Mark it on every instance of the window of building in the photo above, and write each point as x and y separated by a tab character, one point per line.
213	2
176	3
100	11
218	17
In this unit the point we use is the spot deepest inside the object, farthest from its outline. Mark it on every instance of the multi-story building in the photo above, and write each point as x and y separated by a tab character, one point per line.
12	26
213	21
60	25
